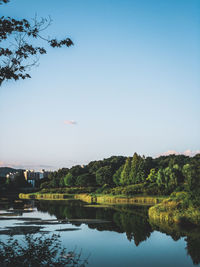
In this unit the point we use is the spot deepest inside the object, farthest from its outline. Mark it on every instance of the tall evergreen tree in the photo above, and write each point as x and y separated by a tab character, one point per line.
140	177
117	175
137	173
124	180
160	178
134	169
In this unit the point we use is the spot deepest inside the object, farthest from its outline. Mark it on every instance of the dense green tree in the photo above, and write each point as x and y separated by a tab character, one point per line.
77	170
85	179
62	172
140	177
93	166
69	180
192	176
134	169
124	180
45	185
137	172
117	176
61	182
104	176
163	162
178	175
115	162
160	178
152	177
148	165
53	179
169	178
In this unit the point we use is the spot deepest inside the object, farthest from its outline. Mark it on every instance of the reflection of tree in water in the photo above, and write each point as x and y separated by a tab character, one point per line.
11	202
62	209
193	248
176	232
38	251
130	220
137	228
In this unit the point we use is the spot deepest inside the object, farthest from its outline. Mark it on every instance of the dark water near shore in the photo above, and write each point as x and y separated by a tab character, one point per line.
118	235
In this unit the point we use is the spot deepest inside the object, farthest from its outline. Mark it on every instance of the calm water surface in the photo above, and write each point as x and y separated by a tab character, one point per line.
119	236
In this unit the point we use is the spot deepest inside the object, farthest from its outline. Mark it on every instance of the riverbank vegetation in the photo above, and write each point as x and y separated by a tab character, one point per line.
129	176
179	208
110	199
177	176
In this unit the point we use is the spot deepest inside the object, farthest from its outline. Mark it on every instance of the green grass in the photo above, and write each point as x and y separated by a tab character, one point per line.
123	199
176	209
47	196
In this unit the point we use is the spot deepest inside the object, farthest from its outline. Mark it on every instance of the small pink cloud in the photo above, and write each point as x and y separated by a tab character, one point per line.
169	152
187	152
191	153
70	122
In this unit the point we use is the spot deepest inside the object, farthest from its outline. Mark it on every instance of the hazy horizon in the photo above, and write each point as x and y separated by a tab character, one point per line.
36	167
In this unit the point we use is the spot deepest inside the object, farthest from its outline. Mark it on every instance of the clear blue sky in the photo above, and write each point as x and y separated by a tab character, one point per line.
131	83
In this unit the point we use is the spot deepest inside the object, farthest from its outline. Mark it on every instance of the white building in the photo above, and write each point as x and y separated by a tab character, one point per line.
31	176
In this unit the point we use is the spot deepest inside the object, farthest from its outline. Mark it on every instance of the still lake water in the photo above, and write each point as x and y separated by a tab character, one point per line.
119	235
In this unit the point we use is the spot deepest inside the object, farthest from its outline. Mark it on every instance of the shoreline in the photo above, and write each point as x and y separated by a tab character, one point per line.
96	198
162	209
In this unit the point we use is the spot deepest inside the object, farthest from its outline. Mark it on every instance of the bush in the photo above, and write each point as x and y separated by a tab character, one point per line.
152	189
183	198
45	185
69	190
99	190
133	189
116	190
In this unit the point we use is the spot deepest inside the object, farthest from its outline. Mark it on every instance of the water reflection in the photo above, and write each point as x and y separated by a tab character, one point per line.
128	219
192	238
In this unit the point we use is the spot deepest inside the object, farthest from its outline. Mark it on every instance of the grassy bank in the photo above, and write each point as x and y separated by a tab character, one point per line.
49	196
57	193
96	198
120	199
165	210
175	209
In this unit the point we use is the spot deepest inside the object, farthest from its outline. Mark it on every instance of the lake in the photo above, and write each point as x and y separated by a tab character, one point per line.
117	235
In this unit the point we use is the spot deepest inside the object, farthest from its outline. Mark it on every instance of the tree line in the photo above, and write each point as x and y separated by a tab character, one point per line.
122	175
162	175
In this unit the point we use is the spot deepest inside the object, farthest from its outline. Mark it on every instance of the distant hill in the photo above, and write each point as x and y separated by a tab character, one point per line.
6	170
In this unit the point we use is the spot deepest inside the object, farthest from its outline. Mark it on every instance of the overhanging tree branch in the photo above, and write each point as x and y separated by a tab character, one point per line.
18	52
